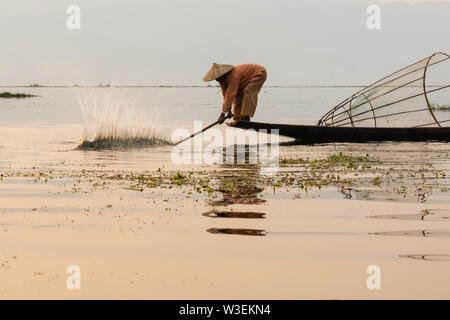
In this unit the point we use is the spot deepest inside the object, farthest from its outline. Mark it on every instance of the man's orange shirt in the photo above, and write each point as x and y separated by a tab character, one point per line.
237	79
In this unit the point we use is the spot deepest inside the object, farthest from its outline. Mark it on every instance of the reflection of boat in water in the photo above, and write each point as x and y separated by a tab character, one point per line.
243	232
234	214
416	233
425	215
398	107
427	257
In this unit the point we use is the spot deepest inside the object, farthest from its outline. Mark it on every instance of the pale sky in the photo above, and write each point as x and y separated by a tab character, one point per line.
138	42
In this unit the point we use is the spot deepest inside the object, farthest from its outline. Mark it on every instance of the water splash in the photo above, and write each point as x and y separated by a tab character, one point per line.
111	122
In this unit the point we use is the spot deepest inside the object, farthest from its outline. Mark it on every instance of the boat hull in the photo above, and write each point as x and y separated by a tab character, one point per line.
307	134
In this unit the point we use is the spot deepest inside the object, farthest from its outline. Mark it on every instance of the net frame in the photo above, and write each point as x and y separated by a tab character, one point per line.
346	113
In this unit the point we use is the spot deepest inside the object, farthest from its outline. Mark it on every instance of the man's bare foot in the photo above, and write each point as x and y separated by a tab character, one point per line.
231	123
238	118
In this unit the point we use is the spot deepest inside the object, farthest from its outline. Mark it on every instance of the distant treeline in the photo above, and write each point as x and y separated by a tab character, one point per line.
443	107
15	95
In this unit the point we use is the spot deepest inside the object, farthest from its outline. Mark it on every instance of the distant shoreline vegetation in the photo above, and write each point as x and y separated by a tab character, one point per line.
15	95
213	85
171	86
443	107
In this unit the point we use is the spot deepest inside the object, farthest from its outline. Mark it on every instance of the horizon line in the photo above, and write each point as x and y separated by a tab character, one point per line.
171	86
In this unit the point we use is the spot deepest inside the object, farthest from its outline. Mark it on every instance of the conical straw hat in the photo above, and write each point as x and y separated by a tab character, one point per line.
216	71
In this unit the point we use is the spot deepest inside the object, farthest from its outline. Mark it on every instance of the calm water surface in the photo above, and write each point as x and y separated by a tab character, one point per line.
265	244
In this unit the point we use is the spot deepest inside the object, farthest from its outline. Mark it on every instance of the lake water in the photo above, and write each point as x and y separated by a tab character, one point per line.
253	236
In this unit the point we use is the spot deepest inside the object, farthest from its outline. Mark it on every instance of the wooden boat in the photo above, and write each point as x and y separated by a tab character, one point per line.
308	134
380	111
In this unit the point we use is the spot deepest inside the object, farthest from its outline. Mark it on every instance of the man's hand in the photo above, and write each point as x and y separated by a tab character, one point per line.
221	118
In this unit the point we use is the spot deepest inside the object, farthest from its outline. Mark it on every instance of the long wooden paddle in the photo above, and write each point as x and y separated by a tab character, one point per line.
203	130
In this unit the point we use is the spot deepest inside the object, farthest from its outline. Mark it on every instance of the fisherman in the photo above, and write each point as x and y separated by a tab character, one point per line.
240	87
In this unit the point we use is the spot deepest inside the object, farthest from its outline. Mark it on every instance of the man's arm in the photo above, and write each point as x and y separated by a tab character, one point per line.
230	93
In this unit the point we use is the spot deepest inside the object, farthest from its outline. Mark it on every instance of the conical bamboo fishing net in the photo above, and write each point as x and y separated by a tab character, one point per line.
415	96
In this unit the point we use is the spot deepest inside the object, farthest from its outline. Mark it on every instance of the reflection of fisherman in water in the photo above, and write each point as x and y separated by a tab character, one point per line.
240	154
243	232
347	192
234	214
238	189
